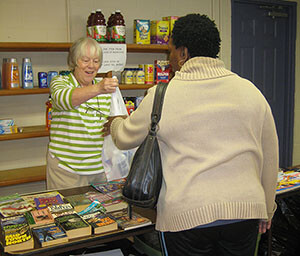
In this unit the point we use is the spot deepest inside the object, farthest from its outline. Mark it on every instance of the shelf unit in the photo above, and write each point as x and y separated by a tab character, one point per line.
32	174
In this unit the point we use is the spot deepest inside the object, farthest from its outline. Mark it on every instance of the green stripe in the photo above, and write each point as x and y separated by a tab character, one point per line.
76	138
81	152
72	144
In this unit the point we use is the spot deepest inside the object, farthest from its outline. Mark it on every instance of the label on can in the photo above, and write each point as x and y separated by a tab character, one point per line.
149	73
42	77
51	74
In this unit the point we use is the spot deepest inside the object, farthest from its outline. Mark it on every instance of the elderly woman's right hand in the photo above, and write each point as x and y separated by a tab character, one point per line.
108	85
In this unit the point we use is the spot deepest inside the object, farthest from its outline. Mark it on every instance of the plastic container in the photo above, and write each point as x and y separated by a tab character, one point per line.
27	74
48	113
109	27
12	75
118	28
51	74
140	76
89	27
99	27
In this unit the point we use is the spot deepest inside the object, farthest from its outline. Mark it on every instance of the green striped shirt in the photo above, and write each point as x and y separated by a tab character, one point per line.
75	133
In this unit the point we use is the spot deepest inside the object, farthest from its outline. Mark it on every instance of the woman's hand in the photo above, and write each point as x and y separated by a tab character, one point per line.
106	127
264	225
107	85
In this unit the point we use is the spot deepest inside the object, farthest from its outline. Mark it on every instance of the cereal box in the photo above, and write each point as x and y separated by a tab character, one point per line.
159	32
171	20
141	31
162	71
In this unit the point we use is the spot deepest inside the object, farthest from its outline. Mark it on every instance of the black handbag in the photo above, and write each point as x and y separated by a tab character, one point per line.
143	182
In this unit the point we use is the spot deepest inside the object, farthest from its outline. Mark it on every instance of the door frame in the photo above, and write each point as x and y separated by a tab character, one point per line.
287	157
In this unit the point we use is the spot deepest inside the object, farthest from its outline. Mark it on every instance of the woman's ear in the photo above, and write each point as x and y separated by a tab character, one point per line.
184	54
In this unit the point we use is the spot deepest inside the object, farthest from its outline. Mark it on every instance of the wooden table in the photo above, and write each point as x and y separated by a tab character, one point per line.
92	240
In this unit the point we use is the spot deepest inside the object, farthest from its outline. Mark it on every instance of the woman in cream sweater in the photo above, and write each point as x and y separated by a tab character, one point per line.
219	149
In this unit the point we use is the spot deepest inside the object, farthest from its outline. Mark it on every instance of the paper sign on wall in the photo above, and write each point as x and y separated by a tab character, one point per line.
114	57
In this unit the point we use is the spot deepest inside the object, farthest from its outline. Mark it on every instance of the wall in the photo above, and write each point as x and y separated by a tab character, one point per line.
64	21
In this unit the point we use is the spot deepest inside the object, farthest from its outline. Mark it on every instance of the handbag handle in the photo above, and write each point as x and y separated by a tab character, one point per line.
157	105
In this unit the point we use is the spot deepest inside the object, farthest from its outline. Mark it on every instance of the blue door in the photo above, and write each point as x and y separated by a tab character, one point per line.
263	49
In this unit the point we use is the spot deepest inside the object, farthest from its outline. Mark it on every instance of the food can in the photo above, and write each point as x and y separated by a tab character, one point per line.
149	73
42	77
51	74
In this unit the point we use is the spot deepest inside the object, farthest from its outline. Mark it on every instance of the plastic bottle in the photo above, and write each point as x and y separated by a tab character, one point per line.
140	76
118	30
89	27
12	74
99	27
109	27
48	113
27	75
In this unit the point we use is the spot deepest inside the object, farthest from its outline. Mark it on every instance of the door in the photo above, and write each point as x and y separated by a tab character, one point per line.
263	51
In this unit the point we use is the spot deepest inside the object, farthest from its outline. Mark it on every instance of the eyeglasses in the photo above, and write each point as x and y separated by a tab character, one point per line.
96	111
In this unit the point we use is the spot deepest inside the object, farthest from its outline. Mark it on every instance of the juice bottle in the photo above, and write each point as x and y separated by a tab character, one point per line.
99	27
89	27
48	113
118	31
109	27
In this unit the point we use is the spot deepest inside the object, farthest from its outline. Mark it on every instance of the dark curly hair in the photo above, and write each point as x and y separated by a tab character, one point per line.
198	34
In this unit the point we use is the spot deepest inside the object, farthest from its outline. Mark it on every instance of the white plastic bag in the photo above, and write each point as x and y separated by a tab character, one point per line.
116	162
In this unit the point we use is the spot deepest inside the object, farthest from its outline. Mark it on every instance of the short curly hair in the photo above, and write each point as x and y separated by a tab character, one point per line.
198	34
79	48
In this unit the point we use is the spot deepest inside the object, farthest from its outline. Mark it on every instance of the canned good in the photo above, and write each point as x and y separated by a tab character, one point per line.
42	77
51	74
149	73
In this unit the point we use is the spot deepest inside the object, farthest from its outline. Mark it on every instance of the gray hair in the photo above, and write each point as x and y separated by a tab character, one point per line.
79	48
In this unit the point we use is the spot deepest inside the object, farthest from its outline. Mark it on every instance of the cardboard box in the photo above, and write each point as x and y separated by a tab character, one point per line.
141	31
159	32
171	20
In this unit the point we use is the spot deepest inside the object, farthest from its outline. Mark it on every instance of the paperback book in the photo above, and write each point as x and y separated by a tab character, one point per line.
16	234
39	217
100	223
110	186
14	205
79	202
109	202
127	223
44	202
50	235
74	225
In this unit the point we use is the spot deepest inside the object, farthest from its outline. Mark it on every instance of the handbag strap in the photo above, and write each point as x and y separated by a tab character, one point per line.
157	105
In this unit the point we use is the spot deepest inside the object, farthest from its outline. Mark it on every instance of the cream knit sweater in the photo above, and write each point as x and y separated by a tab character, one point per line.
218	144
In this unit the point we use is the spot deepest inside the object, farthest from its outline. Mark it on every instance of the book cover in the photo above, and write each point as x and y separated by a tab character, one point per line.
44	202
100	223
60	208
125	223
79	202
30	198
39	217
109	202
74	225
50	235
16	234
109	186
14	205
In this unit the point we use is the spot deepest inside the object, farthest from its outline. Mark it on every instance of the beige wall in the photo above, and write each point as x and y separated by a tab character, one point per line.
64	21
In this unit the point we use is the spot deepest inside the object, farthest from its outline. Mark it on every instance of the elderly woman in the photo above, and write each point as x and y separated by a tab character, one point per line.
218	145
80	105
